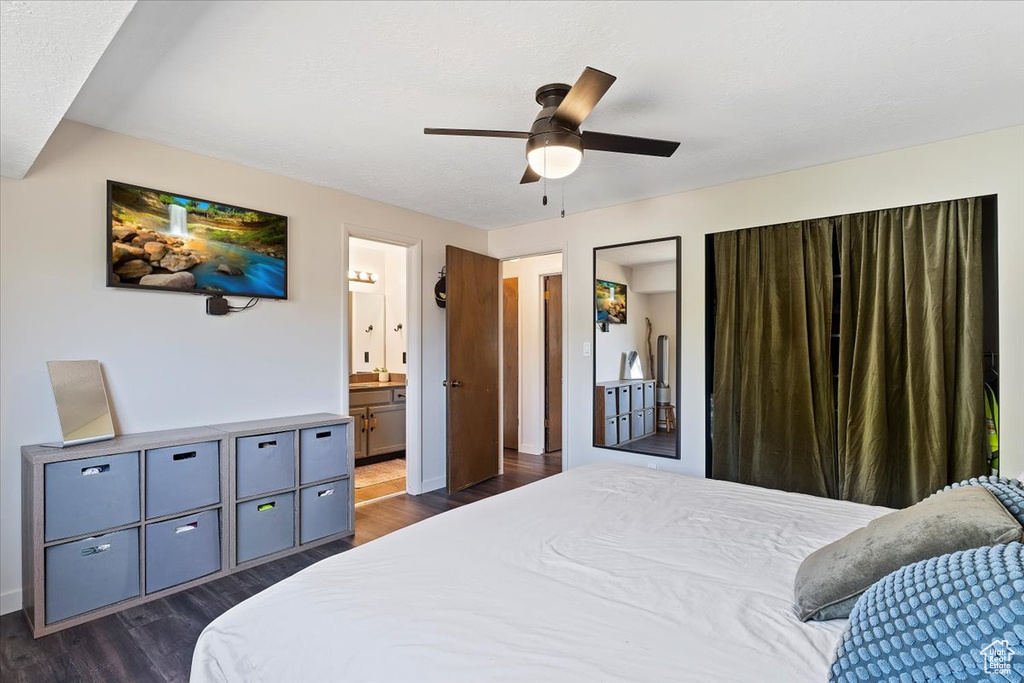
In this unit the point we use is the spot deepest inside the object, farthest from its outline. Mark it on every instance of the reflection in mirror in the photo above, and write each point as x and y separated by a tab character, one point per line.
636	315
377	308
367	326
81	400
633	364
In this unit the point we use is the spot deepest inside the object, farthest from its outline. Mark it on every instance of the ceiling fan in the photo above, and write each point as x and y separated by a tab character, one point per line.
555	143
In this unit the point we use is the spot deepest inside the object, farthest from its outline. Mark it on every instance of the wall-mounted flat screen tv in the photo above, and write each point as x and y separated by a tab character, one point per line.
172	242
610	302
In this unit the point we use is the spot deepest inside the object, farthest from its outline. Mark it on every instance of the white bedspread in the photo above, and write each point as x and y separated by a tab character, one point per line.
603	573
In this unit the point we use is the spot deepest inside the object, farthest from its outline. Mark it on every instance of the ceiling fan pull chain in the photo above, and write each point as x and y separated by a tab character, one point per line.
563	198
544	201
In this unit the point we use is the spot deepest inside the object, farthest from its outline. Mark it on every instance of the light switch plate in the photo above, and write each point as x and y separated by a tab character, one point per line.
586	348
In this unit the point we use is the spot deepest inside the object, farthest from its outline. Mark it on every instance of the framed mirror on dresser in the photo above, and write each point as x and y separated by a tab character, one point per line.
636	352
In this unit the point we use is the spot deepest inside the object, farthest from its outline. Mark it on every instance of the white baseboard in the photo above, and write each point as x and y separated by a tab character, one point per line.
433	484
10	601
530	449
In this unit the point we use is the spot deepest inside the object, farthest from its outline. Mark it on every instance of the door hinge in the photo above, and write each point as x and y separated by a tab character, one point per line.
547	295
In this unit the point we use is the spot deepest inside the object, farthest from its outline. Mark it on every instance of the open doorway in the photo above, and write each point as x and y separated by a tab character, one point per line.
378	329
532	326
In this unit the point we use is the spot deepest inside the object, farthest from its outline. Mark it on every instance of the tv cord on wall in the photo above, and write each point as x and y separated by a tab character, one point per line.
252	302
216	304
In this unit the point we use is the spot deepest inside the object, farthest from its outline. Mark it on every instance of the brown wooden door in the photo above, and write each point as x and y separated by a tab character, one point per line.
510	362
552	363
473	336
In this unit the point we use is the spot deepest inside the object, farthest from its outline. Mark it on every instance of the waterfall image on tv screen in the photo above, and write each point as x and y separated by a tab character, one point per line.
610	302
162	240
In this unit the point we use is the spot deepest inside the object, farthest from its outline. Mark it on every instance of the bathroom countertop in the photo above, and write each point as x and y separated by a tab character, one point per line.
358	386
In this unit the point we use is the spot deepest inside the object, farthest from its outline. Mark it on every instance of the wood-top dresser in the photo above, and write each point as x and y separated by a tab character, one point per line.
110	525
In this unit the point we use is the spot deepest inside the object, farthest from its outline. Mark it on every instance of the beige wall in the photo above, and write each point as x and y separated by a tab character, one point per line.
167	364
988	163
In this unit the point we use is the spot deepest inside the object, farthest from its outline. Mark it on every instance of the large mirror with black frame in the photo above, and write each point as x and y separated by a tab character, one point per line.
636	351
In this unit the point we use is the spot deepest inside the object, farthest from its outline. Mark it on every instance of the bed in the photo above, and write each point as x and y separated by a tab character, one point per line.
603	573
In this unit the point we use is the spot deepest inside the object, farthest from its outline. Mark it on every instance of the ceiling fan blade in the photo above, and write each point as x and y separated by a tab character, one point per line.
477	133
625	144
530	176
582	98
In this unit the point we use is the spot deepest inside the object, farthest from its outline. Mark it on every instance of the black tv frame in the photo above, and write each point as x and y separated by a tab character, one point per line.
625	297
202	292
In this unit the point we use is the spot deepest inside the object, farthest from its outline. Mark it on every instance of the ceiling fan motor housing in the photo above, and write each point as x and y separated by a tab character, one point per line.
554	138
544	131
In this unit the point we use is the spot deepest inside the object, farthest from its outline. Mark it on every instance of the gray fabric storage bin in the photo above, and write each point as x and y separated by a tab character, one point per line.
623	428
637	428
91	573
610	401
649	395
82	496
182	478
323	453
611	431
637	398
648	420
265	525
182	549
264	463
624	399
323	510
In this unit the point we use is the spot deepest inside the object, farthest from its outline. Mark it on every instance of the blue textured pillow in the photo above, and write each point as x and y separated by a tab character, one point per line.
935	621
1010	492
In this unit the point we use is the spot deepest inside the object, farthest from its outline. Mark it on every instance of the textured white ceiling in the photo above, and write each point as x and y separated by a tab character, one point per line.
47	50
640	254
337	94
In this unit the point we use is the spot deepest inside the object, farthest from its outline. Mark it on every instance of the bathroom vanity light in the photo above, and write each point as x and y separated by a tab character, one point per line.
363	276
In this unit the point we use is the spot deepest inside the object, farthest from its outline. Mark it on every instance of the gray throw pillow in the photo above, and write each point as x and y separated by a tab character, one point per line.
831	578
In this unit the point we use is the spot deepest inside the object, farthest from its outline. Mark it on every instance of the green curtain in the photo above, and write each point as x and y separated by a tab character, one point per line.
774	416
911	399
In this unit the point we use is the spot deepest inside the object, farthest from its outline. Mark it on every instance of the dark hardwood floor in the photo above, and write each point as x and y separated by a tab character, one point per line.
154	642
659	443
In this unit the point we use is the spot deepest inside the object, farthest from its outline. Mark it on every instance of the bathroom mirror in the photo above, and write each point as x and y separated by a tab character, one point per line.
636	330
377	308
368	331
81	399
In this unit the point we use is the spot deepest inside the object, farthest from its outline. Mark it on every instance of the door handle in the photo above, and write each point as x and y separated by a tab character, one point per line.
455	384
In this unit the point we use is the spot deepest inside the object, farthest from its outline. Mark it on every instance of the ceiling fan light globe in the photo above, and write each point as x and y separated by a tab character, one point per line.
554	161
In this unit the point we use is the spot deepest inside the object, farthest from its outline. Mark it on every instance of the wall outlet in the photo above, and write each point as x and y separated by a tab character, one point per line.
652	465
